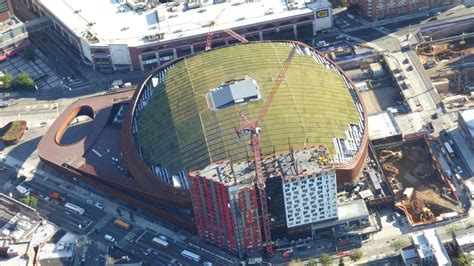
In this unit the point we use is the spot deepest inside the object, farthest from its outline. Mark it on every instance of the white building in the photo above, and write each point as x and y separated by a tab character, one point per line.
466	124
310	199
311	195
119	35
429	248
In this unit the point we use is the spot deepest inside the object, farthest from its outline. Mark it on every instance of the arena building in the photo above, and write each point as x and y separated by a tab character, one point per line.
172	147
141	35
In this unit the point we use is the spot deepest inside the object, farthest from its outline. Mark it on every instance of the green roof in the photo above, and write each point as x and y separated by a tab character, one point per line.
12	131
177	129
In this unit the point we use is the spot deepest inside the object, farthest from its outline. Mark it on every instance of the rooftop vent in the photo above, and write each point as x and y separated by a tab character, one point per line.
154	37
235	91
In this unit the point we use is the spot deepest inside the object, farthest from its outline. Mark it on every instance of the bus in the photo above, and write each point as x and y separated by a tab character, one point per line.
449	149
190	255
74	208
160	242
122	224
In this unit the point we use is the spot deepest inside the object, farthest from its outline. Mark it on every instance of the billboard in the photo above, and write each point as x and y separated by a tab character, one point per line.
322	13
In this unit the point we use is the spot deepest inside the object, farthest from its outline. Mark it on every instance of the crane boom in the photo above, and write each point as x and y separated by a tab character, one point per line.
280	78
256	149
236	35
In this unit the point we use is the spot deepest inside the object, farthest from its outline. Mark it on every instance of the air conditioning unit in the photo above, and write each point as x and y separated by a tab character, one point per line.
154	37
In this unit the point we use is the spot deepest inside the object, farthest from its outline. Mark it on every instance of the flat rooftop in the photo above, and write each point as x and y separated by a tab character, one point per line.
113	21
465	239
382	125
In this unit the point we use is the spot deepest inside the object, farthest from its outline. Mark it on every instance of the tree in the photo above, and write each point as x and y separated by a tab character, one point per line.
119	211
132	216
295	262
356	255
30	201
311	262
397	245
29	54
7	81
341	262
24	80
452	228
325	259
462	260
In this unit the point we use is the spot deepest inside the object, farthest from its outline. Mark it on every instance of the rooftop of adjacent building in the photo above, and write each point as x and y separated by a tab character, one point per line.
17	220
468	117
428	244
61	250
117	256
465	238
9	24
302	162
131	21
382	125
347	212
15	253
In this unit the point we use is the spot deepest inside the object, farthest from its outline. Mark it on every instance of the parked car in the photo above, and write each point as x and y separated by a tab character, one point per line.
99	205
459	169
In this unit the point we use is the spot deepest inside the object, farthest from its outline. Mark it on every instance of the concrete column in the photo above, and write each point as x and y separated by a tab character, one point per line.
141	62
260	34
111	62
175	54
158	58
191	47
226	41
295	31
93	62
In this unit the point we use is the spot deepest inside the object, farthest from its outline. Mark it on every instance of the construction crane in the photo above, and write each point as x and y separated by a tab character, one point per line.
253	129
232	33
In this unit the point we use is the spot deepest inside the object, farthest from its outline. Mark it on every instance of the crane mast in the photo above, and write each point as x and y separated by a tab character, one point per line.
256	149
232	33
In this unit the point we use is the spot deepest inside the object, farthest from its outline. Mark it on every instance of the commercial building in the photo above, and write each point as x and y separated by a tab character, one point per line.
466	124
178	142
374	10
60	253
16	253
429	250
13	36
383	129
132	35
464	240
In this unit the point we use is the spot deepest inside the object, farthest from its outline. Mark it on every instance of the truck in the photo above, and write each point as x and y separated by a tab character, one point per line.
56	196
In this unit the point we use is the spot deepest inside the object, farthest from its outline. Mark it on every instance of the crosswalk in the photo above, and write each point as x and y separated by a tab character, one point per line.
35	115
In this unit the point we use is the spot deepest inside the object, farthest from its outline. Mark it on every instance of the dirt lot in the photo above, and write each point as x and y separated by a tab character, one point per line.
411	166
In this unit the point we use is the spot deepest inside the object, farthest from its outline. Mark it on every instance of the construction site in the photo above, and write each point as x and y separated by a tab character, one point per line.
421	191
447	53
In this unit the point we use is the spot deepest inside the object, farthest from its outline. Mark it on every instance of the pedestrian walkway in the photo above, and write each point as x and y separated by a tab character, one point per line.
30	171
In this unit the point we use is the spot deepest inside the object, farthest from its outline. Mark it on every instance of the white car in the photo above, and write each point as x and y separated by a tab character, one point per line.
459	169
99	205
109	238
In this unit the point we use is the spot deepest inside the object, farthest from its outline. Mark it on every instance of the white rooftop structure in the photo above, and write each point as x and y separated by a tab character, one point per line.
382	125
468	117
429	247
115	21
63	249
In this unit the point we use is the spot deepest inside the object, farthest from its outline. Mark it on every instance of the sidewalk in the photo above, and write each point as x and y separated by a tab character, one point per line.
30	171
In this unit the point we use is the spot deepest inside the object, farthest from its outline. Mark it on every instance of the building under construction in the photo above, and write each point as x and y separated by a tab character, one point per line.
226	203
